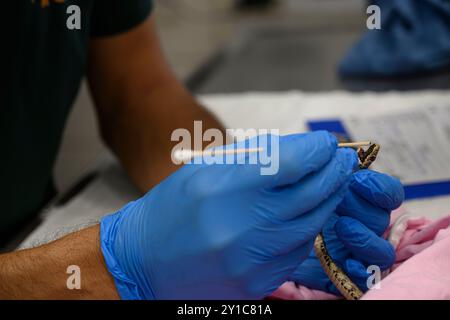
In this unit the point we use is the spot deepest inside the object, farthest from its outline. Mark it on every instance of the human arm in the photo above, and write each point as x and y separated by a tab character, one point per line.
40	273
226	232
207	231
140	102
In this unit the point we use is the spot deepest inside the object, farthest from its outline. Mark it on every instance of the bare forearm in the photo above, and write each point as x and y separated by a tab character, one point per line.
41	273
141	135
140	102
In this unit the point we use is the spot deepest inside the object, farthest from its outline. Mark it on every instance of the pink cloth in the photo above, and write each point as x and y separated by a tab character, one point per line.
423	276
290	291
419	234
422	261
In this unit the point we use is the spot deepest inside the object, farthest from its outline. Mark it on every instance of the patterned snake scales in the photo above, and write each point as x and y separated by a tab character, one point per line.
342	282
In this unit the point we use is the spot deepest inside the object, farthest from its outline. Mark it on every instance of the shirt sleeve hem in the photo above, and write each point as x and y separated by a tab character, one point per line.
125	21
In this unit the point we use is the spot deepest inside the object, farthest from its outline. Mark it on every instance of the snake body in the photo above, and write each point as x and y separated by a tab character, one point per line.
343	283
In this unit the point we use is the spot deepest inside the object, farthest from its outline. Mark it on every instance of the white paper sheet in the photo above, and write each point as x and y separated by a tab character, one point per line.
415	143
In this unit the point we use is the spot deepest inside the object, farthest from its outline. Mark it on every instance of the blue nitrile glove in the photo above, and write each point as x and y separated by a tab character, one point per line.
352	234
226	231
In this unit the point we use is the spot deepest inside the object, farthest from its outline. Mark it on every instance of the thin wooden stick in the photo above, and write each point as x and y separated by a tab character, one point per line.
354	144
184	155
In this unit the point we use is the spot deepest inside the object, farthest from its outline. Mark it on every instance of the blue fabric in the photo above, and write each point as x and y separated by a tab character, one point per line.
414	38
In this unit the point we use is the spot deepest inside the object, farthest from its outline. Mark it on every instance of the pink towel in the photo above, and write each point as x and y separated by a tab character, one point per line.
423	276
422	261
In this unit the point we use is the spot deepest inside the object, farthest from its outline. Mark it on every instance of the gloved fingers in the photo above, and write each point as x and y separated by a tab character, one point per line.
357	273
277	269
280	237
300	155
379	189
292	234
282	267
364	244
284	160
311	191
375	218
310	274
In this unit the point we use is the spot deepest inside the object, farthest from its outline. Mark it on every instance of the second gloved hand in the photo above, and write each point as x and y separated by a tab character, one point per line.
353	233
226	231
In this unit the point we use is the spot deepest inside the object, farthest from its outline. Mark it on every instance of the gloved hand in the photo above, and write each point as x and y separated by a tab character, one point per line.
226	231
352	234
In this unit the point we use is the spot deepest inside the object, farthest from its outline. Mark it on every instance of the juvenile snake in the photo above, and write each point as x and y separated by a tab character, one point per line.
343	283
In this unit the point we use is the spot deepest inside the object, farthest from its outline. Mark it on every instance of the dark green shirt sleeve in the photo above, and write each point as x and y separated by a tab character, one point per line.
111	17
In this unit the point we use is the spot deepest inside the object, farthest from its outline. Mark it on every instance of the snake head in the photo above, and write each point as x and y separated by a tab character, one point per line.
367	157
